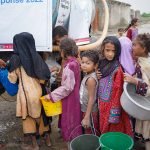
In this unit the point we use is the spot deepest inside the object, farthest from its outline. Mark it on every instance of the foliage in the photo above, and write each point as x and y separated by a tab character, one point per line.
146	15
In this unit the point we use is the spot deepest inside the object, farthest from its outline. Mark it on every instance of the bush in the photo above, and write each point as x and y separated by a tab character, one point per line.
146	15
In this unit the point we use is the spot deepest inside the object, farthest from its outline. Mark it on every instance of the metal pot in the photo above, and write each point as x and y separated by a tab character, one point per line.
135	105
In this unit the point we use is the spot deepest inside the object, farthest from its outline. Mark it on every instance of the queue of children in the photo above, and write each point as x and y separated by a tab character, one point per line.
97	98
89	106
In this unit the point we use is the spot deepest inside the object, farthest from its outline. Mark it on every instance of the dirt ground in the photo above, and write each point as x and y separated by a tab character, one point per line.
11	128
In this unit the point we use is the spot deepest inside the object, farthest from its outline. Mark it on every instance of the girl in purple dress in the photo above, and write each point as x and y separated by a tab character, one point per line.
68	92
126	59
132	30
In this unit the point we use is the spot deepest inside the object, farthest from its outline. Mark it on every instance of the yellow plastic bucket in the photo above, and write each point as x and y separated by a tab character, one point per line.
50	108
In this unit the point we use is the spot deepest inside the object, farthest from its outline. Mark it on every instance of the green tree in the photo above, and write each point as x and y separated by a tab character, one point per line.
146	14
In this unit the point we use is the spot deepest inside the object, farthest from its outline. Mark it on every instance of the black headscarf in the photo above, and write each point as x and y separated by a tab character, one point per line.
25	55
106	67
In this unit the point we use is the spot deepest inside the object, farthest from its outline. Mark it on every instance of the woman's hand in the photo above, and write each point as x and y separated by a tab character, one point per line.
46	97
55	71
130	79
55	68
98	74
2	64
86	122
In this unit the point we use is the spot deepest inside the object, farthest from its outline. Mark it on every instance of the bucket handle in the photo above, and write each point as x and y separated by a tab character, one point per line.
98	148
74	130
82	126
92	126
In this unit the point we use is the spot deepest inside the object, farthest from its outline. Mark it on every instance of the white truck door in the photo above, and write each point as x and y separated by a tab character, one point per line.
33	16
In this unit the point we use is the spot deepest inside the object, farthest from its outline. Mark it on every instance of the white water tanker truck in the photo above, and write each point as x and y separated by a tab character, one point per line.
39	17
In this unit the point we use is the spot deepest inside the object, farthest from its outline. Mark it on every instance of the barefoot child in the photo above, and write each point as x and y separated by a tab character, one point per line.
88	91
141	49
68	92
29	68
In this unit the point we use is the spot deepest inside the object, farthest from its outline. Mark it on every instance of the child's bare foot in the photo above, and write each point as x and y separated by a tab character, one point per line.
29	147
2	146
26	147
35	148
48	140
35	145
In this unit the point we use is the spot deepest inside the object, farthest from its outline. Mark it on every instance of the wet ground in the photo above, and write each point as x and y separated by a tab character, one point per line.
11	129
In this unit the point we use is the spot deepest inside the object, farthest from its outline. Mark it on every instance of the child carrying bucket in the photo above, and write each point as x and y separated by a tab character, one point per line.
68	92
127	61
112	116
88	91
141	49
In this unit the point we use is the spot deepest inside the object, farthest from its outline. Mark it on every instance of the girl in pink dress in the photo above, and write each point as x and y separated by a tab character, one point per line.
68	92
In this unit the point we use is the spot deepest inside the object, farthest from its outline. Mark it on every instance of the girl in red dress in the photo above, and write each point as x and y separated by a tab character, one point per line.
132	29
112	116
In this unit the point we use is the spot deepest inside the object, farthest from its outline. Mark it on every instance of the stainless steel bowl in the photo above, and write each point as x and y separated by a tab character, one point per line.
135	105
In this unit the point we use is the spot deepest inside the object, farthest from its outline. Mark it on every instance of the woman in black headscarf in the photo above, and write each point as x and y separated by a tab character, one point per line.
25	55
112	117
28	67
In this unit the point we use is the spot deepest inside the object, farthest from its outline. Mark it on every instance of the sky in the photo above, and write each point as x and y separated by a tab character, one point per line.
142	5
